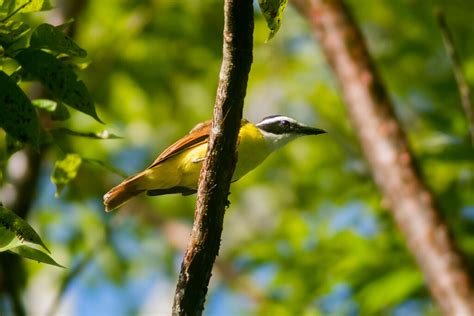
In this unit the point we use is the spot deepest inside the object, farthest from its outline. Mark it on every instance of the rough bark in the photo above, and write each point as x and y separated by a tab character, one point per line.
386	148
220	161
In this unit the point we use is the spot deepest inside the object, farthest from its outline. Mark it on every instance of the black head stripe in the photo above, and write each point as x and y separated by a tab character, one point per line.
278	124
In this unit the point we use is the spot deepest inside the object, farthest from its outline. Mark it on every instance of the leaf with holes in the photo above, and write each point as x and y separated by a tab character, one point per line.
14	231
50	37
8	239
18	117
65	170
272	11
59	78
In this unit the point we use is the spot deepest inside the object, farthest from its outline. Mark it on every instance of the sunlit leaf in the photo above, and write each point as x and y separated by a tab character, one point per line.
18	117
395	286
58	111
25	6
273	12
35	254
65	170
49	37
59	78
8	239
13	225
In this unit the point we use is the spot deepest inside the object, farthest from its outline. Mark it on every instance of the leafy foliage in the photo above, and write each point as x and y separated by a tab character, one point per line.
46	55
59	78
15	232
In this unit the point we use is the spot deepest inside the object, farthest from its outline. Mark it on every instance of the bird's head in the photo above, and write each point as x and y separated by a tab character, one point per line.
278	130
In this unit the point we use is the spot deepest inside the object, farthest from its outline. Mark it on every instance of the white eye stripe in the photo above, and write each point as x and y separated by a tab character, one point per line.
275	119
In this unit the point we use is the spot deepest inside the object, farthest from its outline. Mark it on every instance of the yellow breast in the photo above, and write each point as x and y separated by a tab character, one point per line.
252	150
183	169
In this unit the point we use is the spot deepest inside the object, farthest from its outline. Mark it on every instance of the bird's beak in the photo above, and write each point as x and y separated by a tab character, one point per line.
307	130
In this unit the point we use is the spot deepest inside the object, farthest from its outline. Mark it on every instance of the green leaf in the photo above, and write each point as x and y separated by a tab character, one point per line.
11	31
395	286
8	239
273	12
52	38
65	170
18	117
59	78
58	111
13	226
35	254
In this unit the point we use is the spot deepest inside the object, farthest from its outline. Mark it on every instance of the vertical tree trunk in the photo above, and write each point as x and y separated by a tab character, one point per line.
219	166
386	148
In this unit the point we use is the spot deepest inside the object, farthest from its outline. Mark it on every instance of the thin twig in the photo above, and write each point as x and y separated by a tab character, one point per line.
463	86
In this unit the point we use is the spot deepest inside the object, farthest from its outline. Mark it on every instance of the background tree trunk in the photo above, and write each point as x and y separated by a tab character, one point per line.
386	148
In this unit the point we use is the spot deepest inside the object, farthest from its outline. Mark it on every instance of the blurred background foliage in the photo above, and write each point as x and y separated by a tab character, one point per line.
307	232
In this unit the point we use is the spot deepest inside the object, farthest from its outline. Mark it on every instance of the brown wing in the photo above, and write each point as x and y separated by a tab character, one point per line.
197	136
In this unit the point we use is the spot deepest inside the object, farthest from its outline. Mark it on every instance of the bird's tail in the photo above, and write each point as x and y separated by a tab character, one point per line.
120	194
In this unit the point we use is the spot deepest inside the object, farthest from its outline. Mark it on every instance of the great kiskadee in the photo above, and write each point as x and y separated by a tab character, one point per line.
176	170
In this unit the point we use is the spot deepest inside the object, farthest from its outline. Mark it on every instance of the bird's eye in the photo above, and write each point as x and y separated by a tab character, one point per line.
285	123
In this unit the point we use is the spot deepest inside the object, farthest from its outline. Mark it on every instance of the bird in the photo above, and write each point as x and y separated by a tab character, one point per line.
176	170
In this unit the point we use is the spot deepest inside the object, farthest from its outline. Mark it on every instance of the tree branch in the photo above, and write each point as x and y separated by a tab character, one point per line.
220	161
386	148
